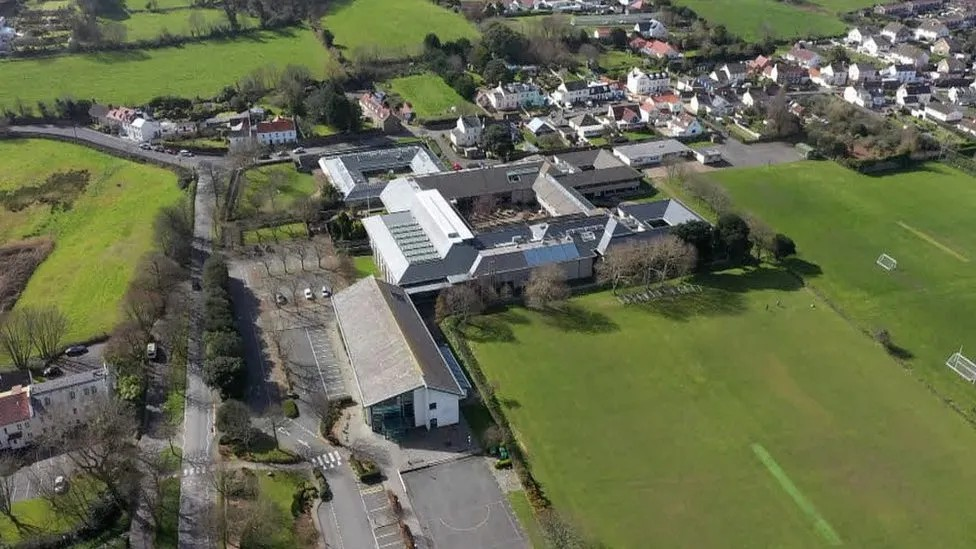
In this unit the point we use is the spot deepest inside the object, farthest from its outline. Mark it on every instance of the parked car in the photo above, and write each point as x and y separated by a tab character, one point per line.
280	298
186	153
52	371
151	350
145	146
298	150
158	148
76	350
60	484
326	292
196	285
309	294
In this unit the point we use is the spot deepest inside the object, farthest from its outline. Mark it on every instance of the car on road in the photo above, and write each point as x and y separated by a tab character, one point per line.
151	350
298	150
326	292
280	298
158	148
60	484
145	146
309	294
186	153
196	286
170	151
76	350
52	371
281	154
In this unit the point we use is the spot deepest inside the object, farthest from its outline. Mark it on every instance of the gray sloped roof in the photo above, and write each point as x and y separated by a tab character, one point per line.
389	346
477	182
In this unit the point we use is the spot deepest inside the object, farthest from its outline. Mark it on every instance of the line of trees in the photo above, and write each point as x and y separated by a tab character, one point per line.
223	367
32	332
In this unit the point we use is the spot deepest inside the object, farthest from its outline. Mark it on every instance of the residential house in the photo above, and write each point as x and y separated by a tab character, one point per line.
641	83
708	156
656	48
860	72
404	380
580	91
602	33
7	36
856	35
907	53
896	32
661	103
277	131
802	56
625	117
651	29
946	47
950	66
374	107
734	72
467	132
15	410
900	9
710	104
757	97
926	6
67	400
909	95
834	74
586	125
931	30
786	75
98	114
964	97
120	119
968	125
943	113
540	126
903	73
142	130
869	98
684	125
514	96
957	22
875	45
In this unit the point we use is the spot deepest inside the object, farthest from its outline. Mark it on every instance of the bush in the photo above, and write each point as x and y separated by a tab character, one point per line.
332	416
503	463
289	408
226	343
301	500
366	470
215	272
325	491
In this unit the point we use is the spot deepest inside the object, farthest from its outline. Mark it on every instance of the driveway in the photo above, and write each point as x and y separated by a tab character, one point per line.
459	504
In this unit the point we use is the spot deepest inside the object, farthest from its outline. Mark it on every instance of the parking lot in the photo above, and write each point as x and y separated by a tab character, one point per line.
28	481
459	504
386	530
312	359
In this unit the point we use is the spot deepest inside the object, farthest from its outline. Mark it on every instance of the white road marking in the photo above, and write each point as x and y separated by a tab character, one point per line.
303	443
317	366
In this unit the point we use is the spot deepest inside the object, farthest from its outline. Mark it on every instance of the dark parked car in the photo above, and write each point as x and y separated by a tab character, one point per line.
76	350
196	285
52	371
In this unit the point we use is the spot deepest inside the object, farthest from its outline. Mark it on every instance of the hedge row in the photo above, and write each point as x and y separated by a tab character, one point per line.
332	416
533	490
366	470
325	491
223	367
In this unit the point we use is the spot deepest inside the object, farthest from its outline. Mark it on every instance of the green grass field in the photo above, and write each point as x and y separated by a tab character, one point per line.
258	196
393	29
98	241
134	77
365	266
922	218
749	415
149	25
430	96
276	233
753	20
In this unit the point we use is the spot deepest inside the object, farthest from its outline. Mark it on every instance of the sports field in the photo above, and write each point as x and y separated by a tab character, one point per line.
393	29
430	96
749	415
842	221
97	240
134	77
753	20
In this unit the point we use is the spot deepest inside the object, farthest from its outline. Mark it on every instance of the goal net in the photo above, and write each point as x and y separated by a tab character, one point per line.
887	262
963	366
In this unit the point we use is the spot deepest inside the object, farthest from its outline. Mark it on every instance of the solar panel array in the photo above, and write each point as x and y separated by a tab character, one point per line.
413	242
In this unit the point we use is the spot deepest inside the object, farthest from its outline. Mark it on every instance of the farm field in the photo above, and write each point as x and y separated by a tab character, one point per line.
721	419
98	240
393	29
753	20
430	96
922	218
274	188
134	76
148	25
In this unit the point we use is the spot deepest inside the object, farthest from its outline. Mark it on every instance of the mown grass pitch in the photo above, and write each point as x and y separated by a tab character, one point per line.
393	29
754	20
98	241
842	221
430	96
133	77
641	422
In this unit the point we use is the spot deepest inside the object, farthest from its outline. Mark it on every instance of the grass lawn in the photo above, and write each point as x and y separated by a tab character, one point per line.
523	511
922	218
393	29
98	241
430	96
134	76
741	416
753	20
274	188
147	25
39	513
277	233
365	266
279	489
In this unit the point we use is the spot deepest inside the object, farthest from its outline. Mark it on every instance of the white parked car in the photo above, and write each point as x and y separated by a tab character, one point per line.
326	292
60	484
298	150
151	350
309	294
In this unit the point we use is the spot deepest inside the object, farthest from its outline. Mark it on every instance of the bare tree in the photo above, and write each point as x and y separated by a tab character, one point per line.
302	252
546	287
461	301
761	235
8	466
675	171
668	257
234	419
159	273
619	265
318	401
15	337
173	232
144	307
281	253
47	326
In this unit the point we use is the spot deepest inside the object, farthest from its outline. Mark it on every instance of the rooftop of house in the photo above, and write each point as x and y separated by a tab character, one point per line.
389	347
353	173
277	124
15	406
13	378
75	379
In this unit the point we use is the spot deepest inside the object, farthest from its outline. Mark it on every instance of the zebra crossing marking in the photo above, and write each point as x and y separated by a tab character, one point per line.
328	461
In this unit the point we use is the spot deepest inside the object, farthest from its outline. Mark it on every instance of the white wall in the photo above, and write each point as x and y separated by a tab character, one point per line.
446	412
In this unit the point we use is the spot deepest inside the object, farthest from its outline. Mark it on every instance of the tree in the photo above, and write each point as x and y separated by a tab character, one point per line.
782	122
8	466
546	287
733	235
619	265
173	232
144	307
222	344
47	325
497	140
619	38
761	235
783	246
215	273
158	273
432	42
328	39
496	72
15	337
197	23
234	420
291	85
668	257
459	300
114	32
590	52
505	43
224	373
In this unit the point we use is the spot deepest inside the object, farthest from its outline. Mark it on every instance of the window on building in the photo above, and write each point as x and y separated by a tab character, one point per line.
71	395
47	401
85	391
432	406
74	411
94	390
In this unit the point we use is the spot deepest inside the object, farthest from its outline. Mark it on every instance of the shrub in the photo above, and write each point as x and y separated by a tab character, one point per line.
289	408
224	343
503	463
301	500
332	416
325	491
215	272
366	470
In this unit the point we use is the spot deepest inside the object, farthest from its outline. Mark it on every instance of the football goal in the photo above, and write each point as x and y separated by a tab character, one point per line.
963	366
887	262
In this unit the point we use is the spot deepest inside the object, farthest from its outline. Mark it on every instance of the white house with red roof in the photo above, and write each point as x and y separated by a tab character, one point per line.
277	131
15	411
625	117
684	125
